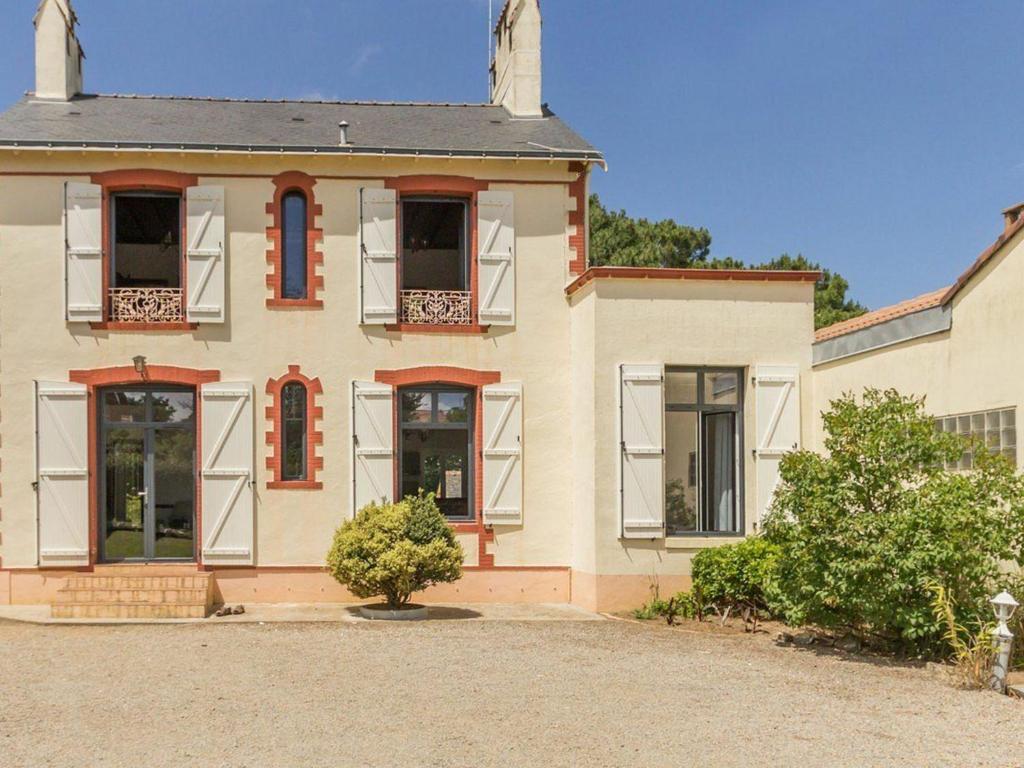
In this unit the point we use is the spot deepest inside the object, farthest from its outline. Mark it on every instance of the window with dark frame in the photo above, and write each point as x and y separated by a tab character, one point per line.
436	446
434	266
703	436
293	426
293	246
146	250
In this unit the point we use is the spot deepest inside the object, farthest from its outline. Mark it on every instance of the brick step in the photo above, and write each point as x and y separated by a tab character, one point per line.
128	610
89	581
127	595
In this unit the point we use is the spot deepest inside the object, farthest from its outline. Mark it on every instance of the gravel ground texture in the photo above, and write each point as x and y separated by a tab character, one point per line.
465	693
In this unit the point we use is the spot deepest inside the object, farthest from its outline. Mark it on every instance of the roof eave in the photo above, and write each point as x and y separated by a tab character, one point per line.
691	273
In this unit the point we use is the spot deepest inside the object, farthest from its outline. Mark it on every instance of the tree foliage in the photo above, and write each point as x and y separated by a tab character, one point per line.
394	550
618	239
866	531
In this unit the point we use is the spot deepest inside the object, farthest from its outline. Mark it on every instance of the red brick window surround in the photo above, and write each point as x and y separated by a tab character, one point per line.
275	436
139	180
441	185
294	181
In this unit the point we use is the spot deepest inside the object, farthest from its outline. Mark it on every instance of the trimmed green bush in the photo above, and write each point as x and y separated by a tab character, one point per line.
866	532
394	550
735	577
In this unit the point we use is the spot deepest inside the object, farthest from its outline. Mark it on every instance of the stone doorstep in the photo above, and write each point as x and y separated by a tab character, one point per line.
152	595
93	610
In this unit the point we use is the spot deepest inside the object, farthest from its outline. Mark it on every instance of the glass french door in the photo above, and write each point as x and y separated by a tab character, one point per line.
147	450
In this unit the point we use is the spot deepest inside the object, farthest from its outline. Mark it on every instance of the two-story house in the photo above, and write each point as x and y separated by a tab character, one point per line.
225	325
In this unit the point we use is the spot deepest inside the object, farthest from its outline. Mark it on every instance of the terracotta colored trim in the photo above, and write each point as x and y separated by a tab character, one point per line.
94	378
275	435
126	180
434	184
112	326
467	377
659	273
475	328
983	258
144	178
578	220
291	181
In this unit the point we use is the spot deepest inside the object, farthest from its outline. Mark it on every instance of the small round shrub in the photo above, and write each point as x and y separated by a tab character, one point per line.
735	576
395	549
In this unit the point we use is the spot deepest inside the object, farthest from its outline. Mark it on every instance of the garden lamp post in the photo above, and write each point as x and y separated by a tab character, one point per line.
1003	605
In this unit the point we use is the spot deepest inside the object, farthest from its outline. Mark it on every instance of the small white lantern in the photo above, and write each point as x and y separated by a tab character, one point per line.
1004	605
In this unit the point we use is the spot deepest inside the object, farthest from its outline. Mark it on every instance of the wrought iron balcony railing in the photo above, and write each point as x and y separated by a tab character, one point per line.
437	307
146	305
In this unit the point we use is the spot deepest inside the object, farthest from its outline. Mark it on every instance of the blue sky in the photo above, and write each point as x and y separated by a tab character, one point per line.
879	138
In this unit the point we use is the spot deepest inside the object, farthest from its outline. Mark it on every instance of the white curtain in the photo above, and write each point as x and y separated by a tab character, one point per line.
722	488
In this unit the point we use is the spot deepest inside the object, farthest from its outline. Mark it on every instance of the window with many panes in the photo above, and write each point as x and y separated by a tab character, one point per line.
703	434
995	430
436	446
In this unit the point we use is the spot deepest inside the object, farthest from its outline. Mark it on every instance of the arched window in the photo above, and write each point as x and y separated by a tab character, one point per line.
293	427
293	244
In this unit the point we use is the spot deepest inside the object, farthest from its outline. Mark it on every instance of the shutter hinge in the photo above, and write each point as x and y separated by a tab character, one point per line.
35	485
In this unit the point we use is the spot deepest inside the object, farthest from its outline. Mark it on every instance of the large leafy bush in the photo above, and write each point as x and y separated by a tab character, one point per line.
866	532
394	550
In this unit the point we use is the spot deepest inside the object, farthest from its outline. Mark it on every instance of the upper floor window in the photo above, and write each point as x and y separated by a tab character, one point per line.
434	268
293	426
145	257
703	425
293	244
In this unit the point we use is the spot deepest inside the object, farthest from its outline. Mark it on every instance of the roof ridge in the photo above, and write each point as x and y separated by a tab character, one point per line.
340	102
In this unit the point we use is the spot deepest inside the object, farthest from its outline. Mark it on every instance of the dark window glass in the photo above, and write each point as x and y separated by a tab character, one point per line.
293	424
434	245
293	244
147	241
436	447
703	424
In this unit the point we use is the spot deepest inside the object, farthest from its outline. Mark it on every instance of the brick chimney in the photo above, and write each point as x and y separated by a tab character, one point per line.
1011	214
515	70
58	53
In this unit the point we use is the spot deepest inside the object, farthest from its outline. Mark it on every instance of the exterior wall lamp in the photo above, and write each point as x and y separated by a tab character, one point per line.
1003	605
139	361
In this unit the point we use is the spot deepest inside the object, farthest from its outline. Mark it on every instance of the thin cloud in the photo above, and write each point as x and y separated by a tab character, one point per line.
363	57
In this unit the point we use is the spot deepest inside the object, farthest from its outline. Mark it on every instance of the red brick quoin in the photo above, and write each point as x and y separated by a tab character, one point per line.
578	219
275	435
283	184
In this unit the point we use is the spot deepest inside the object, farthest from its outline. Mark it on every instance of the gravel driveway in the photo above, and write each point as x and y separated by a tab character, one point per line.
461	693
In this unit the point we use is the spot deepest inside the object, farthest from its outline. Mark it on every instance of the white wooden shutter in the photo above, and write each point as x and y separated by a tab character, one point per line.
373	455
62	472
378	277
641	445
503	453
83	252
777	404
205	267
496	257
227	472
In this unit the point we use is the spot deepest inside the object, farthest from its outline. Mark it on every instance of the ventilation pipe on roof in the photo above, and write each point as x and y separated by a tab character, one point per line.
515	69
58	52
343	133
1011	215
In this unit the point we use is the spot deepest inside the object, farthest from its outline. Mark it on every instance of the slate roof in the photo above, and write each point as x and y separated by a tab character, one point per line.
401	128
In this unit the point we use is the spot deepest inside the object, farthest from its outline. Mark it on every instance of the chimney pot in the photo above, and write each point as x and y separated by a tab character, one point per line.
1011	215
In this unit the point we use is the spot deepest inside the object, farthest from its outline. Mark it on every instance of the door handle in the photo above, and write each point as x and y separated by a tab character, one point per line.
141	493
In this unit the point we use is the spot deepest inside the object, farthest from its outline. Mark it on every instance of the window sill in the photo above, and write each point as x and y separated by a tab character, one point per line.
701	541
474	328
464	526
108	325
294	485
295	304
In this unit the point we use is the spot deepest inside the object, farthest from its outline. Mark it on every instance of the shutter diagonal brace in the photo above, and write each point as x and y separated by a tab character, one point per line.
211	255
511	454
765	447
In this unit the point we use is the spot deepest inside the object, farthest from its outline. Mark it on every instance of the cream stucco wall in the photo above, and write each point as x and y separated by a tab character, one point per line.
293	527
970	367
739	324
